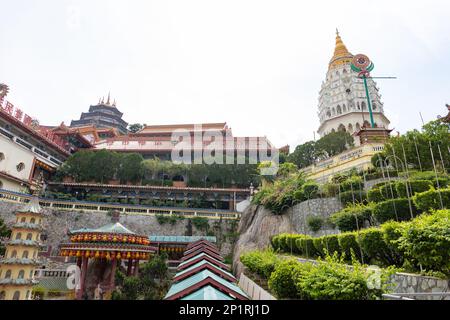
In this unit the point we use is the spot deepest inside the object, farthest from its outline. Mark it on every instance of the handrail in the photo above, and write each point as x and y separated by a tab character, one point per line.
16	197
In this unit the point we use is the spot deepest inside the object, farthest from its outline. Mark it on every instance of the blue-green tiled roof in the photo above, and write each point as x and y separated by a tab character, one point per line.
200	264
198	277
207	293
186	239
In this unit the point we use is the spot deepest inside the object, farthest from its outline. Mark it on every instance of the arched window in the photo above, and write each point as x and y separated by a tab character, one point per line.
29	236
374	105
358	127
1	184
333	111
363	105
328	113
344	108
339	110
16	295
350	127
345	71
22	220
333	131
2	295
14	254
28	295
18	236
25	255
341	128
366	124
21	274
8	274
33	220
2	156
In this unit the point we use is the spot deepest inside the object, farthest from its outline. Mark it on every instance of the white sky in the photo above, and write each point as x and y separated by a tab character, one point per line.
255	64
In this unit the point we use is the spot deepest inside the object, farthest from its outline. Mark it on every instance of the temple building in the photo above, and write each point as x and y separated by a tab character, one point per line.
342	100
102	115
28	150
158	141
21	258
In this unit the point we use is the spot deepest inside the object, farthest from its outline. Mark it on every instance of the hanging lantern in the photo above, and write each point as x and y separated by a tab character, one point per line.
133	239
114	239
97	254
86	237
128	255
78	253
118	256
108	256
86	254
125	239
94	238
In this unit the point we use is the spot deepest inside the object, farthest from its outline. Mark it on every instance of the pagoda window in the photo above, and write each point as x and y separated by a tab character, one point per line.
8	274
29	236
16	295
328	113
374	105
341	128
21	274
333	131
359	107
2	156
14	254
339	110
363	105
20	167
358	127
350	127
344	108
366	124
33	220
333	112
25	255
28	294
18	236
2	295
22	220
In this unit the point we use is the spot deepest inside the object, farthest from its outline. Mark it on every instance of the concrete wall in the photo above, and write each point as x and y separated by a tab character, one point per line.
254	291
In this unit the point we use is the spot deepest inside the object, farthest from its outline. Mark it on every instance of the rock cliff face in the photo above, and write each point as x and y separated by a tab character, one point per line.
258	225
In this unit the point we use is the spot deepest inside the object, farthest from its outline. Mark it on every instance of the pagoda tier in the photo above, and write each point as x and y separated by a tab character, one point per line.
21	257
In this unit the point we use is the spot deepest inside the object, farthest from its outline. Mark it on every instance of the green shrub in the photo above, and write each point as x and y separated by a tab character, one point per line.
310	190
375	195
354	183
426	241
282	280
388	190
396	209
374	246
333	280
415	186
353	197
350	246
262	263
429	200
327	244
330	189
350	218
305	245
314	223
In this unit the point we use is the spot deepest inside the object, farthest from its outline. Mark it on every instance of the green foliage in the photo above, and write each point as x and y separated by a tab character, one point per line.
262	263
374	246
430	200
310	190
388	190
135	127
286	169
353	217
352	197
395	209
375	195
332	280
305	247
426	241
282	281
330	190
171	219
350	246
327	146
200	223
5	232
353	183
414	186
314	223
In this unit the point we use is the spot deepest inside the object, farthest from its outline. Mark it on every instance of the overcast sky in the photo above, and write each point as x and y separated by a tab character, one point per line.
255	64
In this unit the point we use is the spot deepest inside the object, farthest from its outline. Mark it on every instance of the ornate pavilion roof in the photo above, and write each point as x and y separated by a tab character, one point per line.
116	228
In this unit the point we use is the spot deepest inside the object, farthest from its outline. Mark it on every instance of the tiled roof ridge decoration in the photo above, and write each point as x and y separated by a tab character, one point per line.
203	277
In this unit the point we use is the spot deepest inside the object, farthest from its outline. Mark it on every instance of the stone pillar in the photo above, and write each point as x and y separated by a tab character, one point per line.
130	265
84	265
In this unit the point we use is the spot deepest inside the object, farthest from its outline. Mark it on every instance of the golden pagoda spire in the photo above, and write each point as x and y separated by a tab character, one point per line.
341	53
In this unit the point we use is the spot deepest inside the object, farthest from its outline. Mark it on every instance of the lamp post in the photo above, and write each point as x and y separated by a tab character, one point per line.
362	64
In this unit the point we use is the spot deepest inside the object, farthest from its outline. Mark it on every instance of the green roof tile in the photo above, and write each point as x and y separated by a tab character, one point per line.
200	264
207	293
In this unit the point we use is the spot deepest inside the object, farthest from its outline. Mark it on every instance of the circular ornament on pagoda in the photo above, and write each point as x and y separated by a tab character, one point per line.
361	61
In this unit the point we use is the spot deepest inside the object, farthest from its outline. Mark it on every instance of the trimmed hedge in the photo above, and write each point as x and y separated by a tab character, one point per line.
348	197
354	183
374	195
350	247
415	186
430	200
262	263
396	209
350	218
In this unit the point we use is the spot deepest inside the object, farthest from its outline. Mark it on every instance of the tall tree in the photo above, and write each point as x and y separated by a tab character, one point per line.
135	127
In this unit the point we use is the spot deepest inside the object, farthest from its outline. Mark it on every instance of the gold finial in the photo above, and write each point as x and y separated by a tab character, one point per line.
107	102
341	54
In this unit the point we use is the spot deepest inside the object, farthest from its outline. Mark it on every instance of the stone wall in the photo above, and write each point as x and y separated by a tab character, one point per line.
413	283
57	223
323	208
